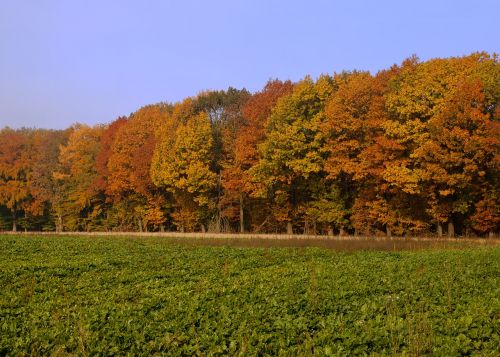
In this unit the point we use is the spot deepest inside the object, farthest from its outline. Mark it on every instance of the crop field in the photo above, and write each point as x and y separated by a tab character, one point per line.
143	296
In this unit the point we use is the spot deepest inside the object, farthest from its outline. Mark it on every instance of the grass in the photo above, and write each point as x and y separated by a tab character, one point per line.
141	296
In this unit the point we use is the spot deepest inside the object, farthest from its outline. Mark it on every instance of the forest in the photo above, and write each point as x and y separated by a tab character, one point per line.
411	150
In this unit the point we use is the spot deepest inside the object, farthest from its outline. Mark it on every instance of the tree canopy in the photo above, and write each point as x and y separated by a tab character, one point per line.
410	150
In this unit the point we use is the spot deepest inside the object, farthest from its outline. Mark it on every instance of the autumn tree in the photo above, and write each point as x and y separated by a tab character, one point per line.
352	118
108	138
409	150
458	158
424	97
183	165
237	181
224	109
14	171
42	186
100	186
129	182
74	203
291	161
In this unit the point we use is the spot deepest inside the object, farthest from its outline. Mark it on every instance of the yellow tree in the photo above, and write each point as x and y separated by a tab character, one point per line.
182	165
76	208
291	164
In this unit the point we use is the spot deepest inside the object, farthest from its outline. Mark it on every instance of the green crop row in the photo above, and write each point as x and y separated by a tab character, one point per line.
143	296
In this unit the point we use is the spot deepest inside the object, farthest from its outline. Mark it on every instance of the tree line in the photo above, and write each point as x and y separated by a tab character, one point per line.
411	150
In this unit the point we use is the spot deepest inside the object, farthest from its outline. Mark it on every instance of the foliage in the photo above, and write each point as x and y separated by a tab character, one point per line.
405	151
75	205
128	166
186	169
291	159
14	170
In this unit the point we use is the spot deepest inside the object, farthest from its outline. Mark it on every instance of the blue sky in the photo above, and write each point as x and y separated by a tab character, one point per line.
91	61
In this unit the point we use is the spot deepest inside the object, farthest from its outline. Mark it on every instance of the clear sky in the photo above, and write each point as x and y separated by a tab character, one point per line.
91	61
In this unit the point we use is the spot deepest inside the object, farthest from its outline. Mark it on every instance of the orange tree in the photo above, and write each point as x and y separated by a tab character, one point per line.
435	115
136	200
14	171
237	181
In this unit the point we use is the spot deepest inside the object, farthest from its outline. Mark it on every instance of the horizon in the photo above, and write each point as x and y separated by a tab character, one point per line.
73	64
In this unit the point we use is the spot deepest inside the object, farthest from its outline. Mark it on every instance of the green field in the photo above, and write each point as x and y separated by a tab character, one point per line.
141	296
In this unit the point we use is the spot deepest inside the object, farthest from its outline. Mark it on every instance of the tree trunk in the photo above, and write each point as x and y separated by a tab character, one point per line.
314	228
491	235
451	229
203	229
162	228
289	228
306	226
330	231
139	224
388	232
439	229
341	231
108	228
242	217
218	227
218	220
182	229
262	225
59	223
14	222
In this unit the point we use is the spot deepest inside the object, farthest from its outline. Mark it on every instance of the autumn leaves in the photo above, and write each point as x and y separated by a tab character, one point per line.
410	150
